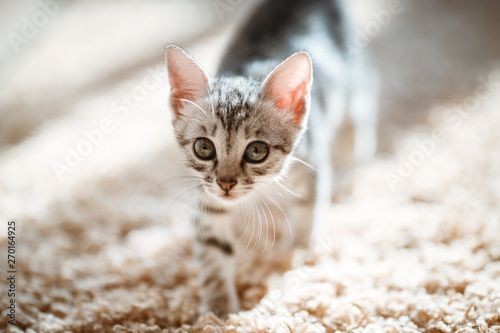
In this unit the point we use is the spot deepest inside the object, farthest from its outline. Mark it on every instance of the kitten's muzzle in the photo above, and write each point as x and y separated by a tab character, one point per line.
226	184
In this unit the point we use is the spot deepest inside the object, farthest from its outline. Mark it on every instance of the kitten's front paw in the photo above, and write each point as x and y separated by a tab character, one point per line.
222	305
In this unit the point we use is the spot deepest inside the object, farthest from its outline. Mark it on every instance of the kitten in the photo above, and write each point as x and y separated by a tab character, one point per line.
242	130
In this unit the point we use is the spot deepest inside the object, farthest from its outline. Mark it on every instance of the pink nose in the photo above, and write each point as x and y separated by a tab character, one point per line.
226	184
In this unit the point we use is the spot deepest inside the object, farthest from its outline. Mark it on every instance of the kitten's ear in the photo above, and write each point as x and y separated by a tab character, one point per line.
188	80
289	84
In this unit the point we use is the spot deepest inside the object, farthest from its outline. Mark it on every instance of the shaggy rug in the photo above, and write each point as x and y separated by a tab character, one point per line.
103	242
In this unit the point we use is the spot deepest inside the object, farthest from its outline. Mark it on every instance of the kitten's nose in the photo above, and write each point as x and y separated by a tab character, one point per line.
226	184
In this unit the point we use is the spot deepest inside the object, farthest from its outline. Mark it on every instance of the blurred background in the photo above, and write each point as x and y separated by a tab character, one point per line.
86	141
67	66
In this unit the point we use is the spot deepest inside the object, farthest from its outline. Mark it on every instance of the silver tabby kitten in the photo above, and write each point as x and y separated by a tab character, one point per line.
241	131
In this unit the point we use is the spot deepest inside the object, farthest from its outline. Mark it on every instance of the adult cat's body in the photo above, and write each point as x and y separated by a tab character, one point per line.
241	131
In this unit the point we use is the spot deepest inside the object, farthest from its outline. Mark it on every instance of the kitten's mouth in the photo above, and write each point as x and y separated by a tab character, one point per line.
228	196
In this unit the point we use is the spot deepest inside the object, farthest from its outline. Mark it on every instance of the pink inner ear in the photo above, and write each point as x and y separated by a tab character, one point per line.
186	86
293	100
188	80
180	92
177	99
289	84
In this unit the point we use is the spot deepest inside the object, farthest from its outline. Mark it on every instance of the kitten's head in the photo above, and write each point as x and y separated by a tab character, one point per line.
237	133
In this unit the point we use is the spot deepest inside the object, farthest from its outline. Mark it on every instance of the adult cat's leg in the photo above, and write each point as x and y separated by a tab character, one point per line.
323	134
214	250
364	109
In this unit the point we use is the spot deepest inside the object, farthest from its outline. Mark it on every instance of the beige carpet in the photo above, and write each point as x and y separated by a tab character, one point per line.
415	234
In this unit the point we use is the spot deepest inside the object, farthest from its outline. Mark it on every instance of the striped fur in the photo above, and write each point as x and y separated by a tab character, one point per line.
258	97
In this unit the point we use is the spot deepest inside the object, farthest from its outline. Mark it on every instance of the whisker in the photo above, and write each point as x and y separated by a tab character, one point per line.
202	205
211	102
193	103
267	230
253	229
277	204
259	221
247	223
272	219
256	225
304	163
180	195
172	179
295	194
259	234
291	192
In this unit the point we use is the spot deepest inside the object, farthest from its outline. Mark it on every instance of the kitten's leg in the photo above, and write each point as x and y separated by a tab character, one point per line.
214	250
363	110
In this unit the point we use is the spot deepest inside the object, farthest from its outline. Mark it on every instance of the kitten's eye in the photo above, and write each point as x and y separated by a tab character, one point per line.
204	149
256	152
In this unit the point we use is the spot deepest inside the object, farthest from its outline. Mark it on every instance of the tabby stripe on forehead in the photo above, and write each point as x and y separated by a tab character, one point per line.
228	141
247	106
238	96
214	130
